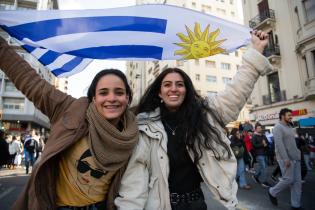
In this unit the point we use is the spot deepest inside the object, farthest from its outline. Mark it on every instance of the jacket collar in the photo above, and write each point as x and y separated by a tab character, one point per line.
150	123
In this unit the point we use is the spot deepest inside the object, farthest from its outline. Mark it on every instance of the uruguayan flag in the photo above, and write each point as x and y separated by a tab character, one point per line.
67	41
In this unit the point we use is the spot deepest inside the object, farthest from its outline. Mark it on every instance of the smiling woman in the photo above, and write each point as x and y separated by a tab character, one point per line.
182	139
90	142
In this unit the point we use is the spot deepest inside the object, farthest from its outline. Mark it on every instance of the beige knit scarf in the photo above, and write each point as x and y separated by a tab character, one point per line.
110	147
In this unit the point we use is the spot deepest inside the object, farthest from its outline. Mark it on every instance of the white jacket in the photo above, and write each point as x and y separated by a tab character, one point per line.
145	182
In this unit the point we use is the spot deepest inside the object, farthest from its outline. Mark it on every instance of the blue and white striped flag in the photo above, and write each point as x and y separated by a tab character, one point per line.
67	41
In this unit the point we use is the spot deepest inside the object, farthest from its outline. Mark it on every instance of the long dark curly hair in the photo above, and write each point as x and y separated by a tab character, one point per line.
192	113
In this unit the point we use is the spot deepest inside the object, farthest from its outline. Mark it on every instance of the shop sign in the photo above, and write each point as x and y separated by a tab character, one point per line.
299	112
275	115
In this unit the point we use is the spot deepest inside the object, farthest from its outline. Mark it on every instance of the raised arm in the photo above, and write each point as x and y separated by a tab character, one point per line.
229	102
45	97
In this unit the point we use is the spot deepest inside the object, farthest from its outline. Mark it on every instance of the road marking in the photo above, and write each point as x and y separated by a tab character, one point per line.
6	192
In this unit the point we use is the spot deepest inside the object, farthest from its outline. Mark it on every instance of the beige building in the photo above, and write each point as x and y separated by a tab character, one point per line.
291	50
18	114
209	75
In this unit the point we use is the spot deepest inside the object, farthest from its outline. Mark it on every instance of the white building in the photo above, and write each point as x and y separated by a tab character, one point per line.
291	50
209	75
18	114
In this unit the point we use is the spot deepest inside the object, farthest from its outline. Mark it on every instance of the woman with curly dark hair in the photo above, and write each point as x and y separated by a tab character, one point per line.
182	140
240	152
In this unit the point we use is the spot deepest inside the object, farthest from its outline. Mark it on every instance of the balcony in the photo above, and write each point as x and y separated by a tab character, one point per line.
264	20
274	98
273	54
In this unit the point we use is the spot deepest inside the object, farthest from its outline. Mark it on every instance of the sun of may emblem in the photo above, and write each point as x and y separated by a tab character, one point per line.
199	44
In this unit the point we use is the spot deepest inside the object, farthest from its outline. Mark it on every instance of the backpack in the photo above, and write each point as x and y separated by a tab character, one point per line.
30	145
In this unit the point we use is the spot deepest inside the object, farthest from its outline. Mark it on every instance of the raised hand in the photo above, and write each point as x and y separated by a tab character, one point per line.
260	40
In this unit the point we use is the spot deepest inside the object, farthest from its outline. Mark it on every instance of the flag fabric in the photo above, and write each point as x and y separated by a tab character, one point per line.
67	41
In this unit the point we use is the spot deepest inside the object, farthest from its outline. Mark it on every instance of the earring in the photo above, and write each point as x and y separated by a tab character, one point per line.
162	101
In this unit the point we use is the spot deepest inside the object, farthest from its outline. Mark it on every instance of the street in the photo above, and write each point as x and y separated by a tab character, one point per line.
12	182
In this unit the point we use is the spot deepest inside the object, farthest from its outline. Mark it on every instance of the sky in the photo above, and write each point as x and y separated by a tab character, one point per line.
79	83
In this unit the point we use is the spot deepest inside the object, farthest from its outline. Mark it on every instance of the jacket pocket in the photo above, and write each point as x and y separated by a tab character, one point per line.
154	201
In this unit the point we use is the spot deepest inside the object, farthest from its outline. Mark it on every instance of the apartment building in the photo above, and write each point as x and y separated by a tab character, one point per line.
17	113
209	75
291	51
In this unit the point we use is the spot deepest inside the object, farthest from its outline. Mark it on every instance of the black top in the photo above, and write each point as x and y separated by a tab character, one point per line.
184	175
258	146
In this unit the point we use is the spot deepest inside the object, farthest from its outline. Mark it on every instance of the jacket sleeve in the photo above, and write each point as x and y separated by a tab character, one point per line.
278	138
45	97
229	102
133	192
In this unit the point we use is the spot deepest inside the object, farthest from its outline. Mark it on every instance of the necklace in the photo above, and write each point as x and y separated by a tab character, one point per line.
169	127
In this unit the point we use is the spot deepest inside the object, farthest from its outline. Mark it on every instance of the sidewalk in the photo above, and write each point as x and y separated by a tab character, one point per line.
5	172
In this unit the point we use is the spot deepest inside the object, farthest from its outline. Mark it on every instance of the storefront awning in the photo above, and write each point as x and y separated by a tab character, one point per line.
307	122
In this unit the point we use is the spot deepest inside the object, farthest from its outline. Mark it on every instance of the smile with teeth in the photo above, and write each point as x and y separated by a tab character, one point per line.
173	96
111	106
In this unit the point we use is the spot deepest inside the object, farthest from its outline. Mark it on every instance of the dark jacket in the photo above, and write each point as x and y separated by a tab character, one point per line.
4	152
240	145
68	125
258	146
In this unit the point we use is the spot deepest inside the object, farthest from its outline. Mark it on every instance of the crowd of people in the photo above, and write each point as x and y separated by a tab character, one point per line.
291	154
20	151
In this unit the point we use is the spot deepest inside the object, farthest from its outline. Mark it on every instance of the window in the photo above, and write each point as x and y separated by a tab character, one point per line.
226	80
225	66
236	53
210	64
179	63
274	87
211	93
222	1
309	7
211	79
298	17
206	8
231	1
193	4
238	67
13	104
233	14
9	86
198	77
197	62
221	11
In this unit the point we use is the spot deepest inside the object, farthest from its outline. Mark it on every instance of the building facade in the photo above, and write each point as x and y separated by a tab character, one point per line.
291	51
18	114
209	75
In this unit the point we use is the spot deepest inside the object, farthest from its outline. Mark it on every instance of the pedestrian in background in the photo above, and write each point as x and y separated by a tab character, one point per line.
260	148
4	150
251	158
289	159
14	149
239	150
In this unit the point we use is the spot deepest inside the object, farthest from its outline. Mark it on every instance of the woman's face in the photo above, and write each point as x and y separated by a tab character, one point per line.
111	99
173	91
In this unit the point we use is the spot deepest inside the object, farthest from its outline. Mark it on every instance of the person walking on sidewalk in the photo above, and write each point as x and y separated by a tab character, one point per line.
14	149
260	147
288	157
239	150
